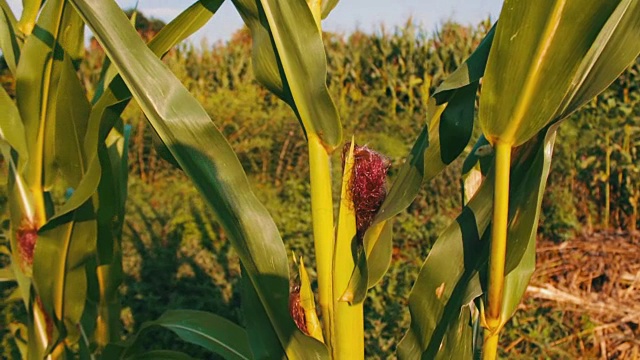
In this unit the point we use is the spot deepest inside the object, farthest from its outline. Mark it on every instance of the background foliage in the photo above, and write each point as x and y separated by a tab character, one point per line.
176	256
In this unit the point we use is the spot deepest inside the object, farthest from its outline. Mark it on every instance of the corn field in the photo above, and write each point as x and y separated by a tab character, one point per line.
332	197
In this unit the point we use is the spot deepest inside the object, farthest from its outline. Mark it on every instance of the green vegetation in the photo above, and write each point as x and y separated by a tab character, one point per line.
181	235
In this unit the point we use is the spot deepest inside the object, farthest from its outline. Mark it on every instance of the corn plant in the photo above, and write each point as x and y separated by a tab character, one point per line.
538	64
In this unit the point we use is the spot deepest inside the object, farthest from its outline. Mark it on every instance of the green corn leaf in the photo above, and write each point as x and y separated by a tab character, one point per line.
62	284
72	113
30	9
161	355
289	59
207	158
112	102
615	48
11	128
19	199
110	210
204	329
457	343
263	338
59	30
443	138
181	27
9	13
9	42
438	297
523	228
184	25
541	53
327	6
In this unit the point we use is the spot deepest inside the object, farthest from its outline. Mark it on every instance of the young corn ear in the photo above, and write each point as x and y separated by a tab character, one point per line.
367	187
27	236
302	305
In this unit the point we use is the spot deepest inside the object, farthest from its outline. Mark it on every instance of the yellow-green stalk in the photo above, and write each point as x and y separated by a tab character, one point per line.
349	319
322	217
498	250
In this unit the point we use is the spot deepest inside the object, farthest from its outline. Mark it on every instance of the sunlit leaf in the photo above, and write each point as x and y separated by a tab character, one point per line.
11	128
30	10
9	42
327	6
443	138
289	59
207	158
62	284
615	48
438	296
538	56
112	102
72	113
59	29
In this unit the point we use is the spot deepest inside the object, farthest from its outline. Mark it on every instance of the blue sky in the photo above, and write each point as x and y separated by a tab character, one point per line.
366	15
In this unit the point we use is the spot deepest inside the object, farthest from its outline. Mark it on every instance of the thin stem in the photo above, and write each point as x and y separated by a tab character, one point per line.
498	249
490	346
322	214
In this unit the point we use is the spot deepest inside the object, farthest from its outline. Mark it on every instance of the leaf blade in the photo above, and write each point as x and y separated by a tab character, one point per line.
206	156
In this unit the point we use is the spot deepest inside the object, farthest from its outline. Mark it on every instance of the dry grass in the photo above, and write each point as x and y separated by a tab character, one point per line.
596	275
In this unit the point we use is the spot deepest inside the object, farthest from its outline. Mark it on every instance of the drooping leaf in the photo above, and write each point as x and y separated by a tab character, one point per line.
438	296
207	158
448	129
289	59
201	328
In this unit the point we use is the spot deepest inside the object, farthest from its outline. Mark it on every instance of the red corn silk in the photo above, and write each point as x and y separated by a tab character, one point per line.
296	310
367	187
27	236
